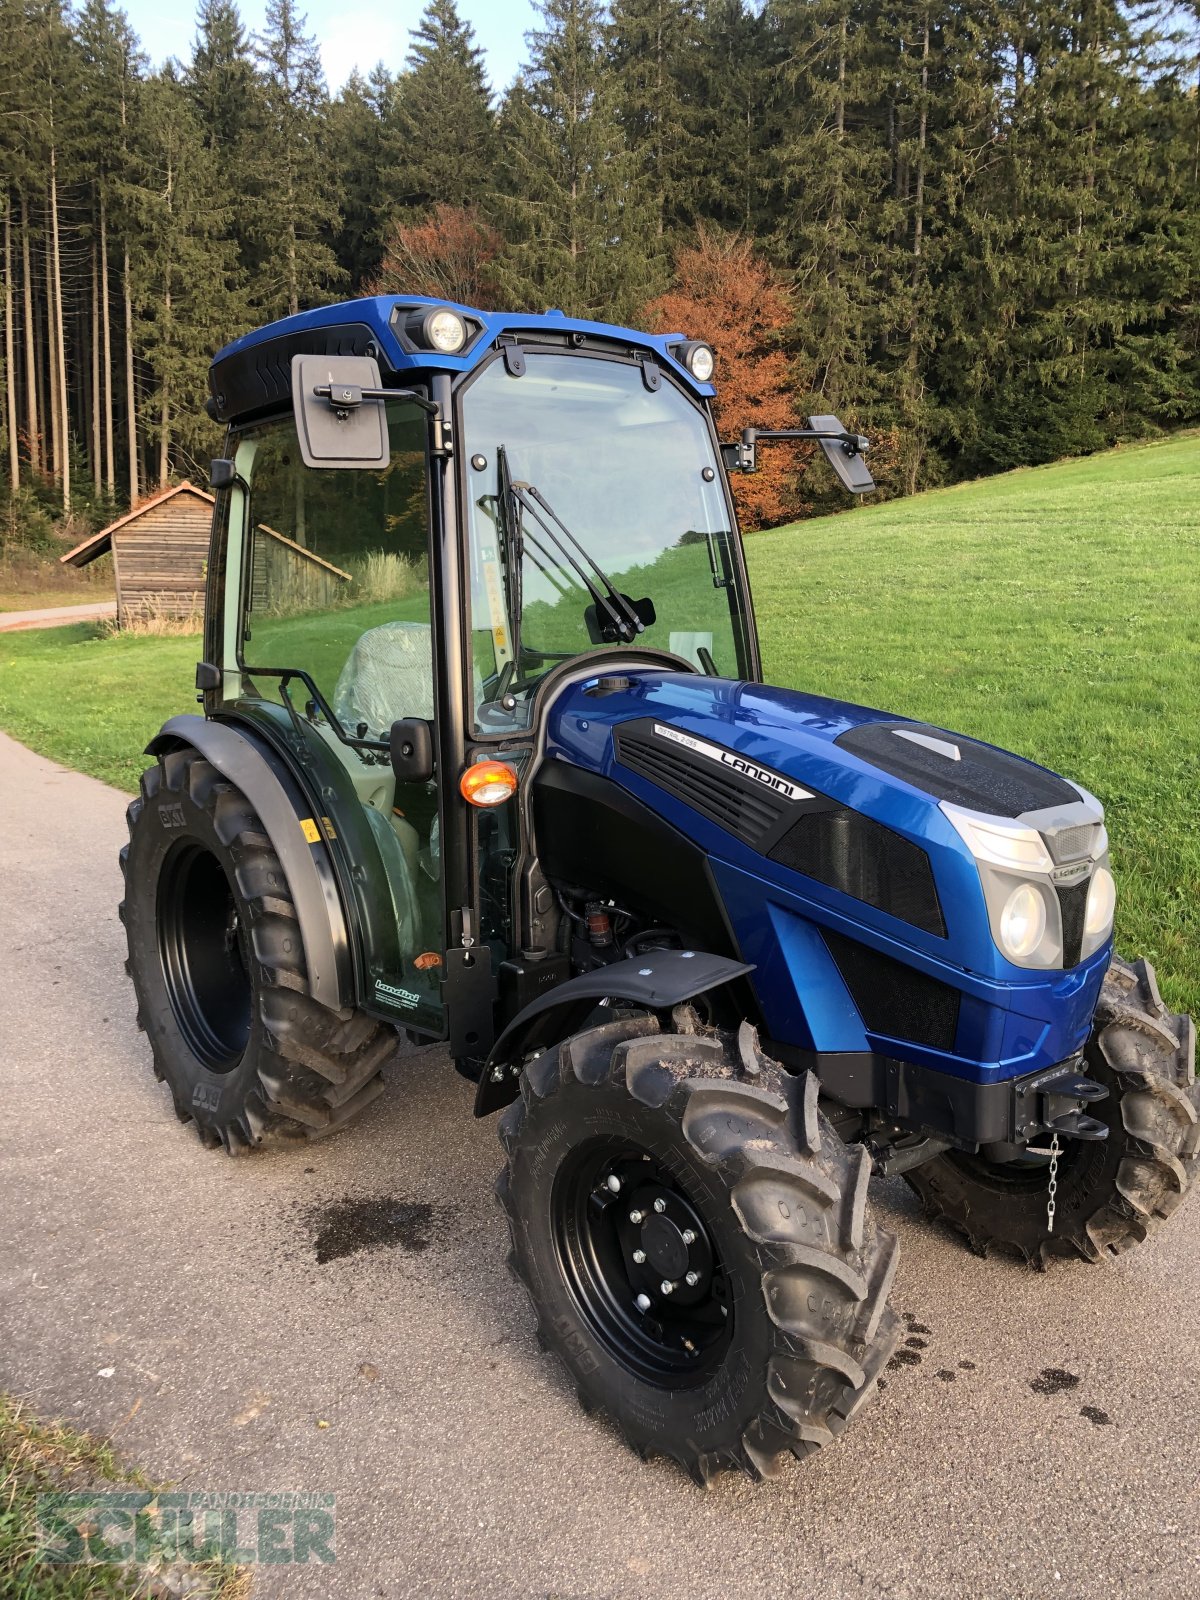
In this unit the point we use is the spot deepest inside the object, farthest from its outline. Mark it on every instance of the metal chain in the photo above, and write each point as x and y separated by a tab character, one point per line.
1051	1202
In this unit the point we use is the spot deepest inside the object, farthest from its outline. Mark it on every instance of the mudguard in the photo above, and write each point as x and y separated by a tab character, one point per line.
296	838
658	980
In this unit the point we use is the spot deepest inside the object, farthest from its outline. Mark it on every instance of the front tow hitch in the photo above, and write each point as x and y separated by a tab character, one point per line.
1055	1101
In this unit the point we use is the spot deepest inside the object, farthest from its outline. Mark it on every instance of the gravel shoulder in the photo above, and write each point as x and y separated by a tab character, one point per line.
1040	1440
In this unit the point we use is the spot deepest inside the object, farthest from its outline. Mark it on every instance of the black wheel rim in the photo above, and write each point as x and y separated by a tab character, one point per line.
611	1202
201	944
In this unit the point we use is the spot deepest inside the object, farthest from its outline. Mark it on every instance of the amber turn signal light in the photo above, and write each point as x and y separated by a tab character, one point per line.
488	783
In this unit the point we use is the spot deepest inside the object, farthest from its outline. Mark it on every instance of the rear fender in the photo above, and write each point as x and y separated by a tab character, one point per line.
296	837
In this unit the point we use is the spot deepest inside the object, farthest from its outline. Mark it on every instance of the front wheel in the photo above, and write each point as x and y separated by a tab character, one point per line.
710	1278
1112	1192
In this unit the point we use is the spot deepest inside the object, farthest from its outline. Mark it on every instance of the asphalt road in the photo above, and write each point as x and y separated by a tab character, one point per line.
460	1461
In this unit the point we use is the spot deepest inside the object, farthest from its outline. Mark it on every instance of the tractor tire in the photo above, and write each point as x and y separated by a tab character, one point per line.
776	1326
1110	1193
218	969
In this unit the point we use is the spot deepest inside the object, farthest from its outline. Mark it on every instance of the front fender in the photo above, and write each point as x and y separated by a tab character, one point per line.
658	980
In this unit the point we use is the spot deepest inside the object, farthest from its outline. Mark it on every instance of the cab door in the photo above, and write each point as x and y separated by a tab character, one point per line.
331	631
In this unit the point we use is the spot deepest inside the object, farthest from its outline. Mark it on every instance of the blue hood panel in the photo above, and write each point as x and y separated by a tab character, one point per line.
1012	1019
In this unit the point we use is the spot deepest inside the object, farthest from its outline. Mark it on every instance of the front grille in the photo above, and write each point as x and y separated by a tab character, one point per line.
860	857
1069	844
893	999
1072	903
748	813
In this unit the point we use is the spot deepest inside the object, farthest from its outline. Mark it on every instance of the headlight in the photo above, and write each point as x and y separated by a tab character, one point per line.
445	331
697	357
701	363
1101	908
1022	922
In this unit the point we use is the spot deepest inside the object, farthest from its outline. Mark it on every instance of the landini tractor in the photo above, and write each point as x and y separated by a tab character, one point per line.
486	757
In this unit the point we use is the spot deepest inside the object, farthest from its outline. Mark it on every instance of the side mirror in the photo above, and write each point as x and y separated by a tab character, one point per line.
221	473
337	423
411	744
845	458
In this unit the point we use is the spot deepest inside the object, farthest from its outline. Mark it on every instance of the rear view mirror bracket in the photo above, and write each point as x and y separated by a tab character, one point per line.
843	450
338	405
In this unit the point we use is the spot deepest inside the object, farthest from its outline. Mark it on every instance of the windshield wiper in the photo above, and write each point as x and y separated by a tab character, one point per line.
513	547
624	622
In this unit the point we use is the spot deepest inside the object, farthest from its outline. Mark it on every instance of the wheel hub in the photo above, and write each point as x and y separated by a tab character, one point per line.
665	1250
641	1263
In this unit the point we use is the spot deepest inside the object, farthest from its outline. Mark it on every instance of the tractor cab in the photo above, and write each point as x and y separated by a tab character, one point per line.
426	516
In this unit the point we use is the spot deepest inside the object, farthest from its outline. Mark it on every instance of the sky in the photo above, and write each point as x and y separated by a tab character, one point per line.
351	33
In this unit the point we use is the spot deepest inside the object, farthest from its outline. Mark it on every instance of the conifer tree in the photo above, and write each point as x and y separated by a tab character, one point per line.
365	146
577	212
186	273
294	199
653	49
446	128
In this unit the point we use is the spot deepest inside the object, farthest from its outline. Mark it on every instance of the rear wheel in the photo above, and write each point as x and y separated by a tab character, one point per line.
710	1279
1112	1192
218	968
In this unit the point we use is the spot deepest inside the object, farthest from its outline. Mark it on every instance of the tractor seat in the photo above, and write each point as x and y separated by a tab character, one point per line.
387	675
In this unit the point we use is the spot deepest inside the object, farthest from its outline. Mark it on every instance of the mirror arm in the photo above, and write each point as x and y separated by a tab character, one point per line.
345	397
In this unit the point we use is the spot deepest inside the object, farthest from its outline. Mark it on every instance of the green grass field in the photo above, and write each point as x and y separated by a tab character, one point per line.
1054	611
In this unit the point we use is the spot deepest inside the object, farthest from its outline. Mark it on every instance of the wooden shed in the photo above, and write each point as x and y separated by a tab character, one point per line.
160	553
159	550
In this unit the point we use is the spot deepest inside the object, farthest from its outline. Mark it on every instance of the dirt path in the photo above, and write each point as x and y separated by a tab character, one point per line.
56	616
1040	1442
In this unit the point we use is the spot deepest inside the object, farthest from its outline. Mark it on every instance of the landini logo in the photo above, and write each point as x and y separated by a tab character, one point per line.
731	759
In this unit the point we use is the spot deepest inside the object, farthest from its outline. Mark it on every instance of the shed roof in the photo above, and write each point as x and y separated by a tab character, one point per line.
98	544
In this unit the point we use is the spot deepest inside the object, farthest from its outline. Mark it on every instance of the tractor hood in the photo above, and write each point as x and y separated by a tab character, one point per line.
875	825
782	741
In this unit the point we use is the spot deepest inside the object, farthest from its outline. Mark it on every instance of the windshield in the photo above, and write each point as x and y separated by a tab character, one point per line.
597	518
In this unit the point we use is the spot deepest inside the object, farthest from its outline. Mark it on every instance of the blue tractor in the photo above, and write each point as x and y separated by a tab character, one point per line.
486	757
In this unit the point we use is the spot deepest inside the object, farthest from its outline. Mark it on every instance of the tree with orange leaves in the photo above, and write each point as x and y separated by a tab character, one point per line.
447	254
724	294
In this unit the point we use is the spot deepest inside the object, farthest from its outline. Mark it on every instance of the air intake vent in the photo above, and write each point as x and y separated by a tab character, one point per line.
860	857
893	999
747	811
1072	902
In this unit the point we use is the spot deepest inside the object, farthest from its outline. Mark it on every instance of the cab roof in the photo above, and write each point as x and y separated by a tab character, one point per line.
253	374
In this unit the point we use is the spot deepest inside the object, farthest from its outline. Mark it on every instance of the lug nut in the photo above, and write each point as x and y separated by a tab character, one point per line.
613	1182
666	1287
636	1216
639	1256
660	1204
689	1236
642	1302
692	1279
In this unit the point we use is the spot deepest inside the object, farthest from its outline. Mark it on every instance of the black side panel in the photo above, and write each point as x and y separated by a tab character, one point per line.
860	857
590	832
895	999
984	779
260	378
1072	902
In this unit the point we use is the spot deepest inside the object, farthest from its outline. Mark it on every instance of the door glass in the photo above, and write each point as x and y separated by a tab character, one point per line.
336	593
